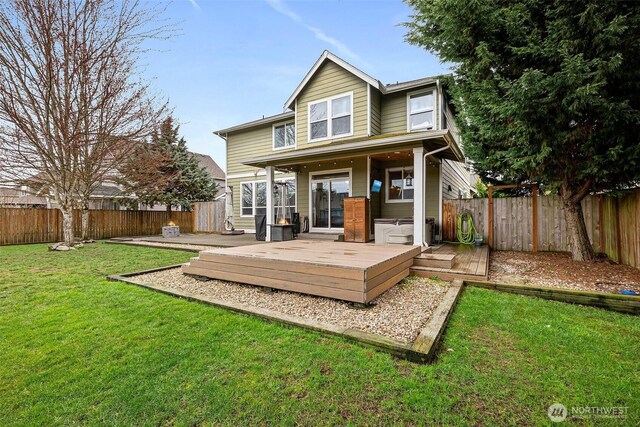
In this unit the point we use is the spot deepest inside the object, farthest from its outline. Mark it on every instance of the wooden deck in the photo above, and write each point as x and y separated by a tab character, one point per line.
470	262
357	272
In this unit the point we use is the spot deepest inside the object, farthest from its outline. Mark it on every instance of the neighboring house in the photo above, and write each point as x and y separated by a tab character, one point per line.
342	131
106	196
214	170
19	198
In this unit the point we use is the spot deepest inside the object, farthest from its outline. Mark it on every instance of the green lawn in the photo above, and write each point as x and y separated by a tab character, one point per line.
76	349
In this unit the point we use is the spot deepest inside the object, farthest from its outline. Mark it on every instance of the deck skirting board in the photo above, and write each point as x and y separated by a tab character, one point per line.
285	285
356	272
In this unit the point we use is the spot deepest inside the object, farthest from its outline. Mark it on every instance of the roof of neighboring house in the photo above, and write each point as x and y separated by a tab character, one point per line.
106	191
13	196
210	165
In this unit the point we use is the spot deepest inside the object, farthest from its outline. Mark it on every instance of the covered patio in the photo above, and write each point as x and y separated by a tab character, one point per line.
326	174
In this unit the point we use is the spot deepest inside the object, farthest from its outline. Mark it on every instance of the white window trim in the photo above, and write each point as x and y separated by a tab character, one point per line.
388	184
273	135
253	184
329	118
432	109
326	172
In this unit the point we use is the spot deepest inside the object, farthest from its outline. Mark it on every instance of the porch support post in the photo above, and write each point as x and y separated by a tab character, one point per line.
270	173
418	196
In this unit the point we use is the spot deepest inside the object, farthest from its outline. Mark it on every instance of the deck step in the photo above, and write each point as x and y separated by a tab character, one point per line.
432	260
442	273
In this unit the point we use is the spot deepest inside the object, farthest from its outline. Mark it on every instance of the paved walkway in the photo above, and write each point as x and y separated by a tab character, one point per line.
206	239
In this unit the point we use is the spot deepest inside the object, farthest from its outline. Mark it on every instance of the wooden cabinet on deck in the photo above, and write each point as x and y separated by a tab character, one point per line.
356	219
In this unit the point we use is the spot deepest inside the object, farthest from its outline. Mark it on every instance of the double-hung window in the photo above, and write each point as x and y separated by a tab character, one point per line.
284	136
331	117
420	108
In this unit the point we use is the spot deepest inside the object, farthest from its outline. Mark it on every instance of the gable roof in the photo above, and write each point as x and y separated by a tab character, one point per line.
384	89
328	56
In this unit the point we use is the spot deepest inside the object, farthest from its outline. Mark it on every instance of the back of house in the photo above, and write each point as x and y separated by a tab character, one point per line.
345	134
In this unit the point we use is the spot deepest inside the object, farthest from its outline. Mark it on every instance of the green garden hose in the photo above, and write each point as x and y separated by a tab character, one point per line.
466	237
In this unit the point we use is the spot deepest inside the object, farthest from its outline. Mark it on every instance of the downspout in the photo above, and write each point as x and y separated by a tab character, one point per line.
424	164
424	169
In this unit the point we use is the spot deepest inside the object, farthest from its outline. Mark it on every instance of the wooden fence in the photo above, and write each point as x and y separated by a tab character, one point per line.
208	217
19	225
613	223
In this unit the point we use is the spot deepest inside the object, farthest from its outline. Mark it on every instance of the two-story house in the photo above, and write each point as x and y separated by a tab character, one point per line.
343	134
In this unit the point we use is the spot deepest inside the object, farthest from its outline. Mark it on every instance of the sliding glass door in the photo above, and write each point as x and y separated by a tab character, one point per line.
327	200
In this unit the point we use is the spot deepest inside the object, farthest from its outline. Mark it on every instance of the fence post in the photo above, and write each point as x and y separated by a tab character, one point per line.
534	191
490	239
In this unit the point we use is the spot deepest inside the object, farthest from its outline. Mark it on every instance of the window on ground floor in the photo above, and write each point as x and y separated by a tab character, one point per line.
399	185
253	200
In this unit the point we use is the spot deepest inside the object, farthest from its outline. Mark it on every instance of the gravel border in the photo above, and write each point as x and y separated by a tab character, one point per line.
399	313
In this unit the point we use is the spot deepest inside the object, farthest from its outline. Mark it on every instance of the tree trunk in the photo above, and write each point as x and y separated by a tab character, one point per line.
169	212
85	222
581	248
67	225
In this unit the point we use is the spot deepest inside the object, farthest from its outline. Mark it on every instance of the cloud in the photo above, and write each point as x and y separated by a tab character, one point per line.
342	48
195	4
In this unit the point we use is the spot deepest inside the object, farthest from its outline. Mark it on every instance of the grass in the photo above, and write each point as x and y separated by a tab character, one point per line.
76	349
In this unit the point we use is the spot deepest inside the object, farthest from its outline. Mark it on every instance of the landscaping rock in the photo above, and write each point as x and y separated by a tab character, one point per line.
400	313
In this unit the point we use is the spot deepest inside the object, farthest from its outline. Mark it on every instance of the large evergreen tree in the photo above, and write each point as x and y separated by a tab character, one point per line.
165	172
547	92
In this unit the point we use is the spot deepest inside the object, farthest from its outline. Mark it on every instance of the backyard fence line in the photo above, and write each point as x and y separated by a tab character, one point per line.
208	217
24	225
613	223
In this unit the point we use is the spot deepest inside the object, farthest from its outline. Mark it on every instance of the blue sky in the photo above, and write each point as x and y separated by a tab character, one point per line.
236	61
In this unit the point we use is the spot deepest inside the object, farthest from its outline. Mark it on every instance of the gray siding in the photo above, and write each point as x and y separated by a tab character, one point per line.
452	175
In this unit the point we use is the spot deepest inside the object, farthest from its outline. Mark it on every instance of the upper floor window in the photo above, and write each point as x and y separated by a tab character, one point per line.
331	117
420	111
284	136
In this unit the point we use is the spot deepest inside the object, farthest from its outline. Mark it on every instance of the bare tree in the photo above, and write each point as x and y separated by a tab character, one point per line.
72	95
